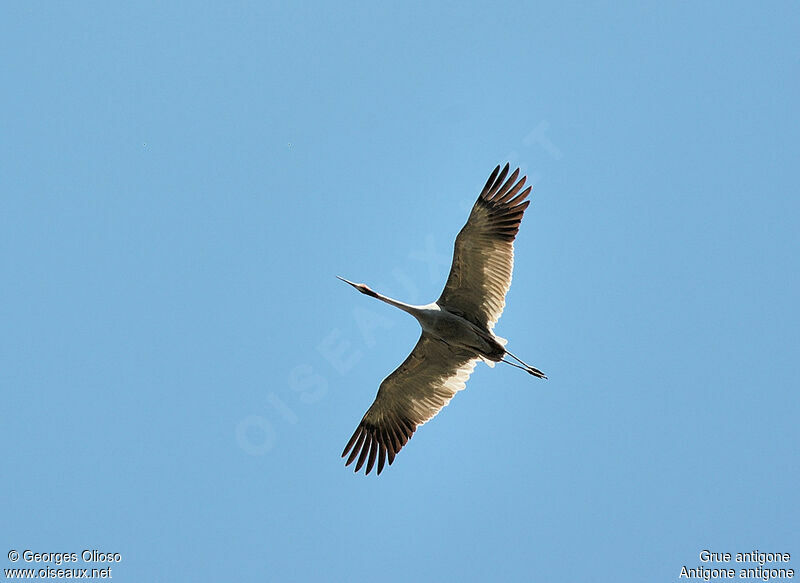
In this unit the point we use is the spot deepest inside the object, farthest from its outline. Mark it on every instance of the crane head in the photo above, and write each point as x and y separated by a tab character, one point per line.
359	286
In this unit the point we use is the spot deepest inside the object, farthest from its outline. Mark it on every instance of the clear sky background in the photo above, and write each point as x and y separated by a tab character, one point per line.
181	182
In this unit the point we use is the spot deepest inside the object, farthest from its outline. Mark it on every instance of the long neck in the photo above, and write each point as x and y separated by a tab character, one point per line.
413	310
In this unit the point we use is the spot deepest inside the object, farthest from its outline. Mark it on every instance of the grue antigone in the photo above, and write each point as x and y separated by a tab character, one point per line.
457	329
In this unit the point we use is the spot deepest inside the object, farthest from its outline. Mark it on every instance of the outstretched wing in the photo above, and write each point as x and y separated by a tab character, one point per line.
484	251
407	398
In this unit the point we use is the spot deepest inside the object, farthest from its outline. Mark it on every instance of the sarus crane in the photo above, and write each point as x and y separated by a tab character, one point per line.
457	329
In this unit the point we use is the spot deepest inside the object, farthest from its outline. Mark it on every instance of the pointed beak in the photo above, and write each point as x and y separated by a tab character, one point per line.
347	281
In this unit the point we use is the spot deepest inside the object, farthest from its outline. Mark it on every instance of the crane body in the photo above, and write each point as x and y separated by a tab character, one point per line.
446	326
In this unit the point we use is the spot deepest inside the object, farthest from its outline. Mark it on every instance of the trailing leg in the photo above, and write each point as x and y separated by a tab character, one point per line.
525	366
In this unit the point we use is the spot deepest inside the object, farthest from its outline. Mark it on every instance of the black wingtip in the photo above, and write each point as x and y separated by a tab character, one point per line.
490	181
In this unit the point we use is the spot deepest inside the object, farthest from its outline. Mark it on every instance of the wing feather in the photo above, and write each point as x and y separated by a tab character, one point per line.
413	394
483	257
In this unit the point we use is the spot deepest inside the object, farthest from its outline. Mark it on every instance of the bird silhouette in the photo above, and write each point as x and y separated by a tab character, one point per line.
457	329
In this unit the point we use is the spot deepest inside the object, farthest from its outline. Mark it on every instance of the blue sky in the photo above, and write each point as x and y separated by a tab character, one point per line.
180	183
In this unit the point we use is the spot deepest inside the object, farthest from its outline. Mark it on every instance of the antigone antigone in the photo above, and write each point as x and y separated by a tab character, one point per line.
457	329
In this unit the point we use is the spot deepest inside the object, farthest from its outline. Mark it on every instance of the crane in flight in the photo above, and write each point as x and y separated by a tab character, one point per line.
457	329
